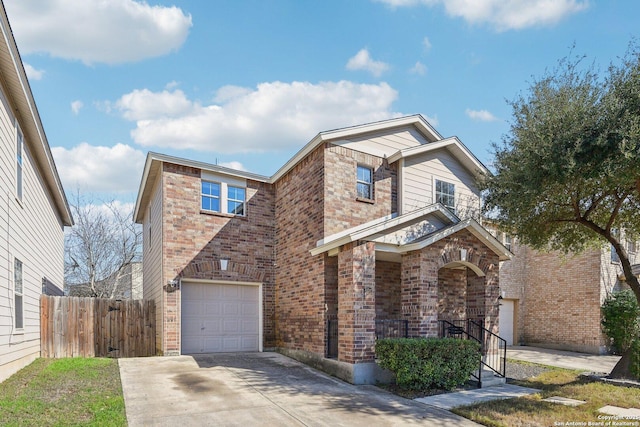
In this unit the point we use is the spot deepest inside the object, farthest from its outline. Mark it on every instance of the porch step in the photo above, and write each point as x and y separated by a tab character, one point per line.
491	379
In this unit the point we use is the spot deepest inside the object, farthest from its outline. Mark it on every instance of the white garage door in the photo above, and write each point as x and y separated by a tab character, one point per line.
220	318
506	320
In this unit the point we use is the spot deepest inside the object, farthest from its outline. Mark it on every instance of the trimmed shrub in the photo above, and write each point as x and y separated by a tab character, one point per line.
620	320
429	363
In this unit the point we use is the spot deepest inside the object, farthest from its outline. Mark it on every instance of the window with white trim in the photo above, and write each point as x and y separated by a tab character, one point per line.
365	182
18	294
19	161
235	200
223	194
446	194
211	196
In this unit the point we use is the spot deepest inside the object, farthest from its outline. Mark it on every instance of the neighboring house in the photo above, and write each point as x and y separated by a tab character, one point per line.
33	213
123	284
553	300
359	227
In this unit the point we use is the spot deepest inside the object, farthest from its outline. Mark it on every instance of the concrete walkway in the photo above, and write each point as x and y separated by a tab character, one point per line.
249	389
563	359
469	397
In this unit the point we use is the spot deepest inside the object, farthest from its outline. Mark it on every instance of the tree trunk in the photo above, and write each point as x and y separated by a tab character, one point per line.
622	370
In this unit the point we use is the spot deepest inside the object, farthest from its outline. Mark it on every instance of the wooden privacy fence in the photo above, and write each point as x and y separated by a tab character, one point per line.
96	327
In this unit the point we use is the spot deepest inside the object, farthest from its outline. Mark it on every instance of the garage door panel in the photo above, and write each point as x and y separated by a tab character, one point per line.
212	308
220	318
231	308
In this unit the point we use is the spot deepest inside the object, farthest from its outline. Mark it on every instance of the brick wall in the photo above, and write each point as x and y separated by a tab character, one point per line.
342	210
452	294
300	286
388	292
194	242
558	297
562	301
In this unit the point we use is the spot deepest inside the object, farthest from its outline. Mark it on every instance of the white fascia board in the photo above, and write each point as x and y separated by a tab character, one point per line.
206	167
141	189
221	170
416	120
380	227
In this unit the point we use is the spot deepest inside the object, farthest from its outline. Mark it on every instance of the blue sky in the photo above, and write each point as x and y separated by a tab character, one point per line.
248	83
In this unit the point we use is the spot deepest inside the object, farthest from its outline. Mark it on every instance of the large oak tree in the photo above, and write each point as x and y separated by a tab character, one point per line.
567	175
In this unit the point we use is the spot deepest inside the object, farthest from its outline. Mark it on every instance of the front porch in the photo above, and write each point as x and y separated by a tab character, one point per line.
374	289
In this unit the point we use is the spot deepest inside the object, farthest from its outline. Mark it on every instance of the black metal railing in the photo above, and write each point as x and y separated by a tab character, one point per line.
392	328
332	339
493	349
385	328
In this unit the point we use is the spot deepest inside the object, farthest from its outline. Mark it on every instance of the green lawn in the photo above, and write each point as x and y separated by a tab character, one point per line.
64	392
532	411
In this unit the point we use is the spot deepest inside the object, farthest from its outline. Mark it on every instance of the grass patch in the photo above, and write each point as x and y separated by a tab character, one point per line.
64	392
532	411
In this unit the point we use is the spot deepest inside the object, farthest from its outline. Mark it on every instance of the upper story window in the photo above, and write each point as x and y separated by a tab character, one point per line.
446	194
223	194
507	241
235	200
365	182
19	155
211	196
18	293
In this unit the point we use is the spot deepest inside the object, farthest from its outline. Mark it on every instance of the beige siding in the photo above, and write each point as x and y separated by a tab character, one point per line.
418	180
385	144
31	231
152	255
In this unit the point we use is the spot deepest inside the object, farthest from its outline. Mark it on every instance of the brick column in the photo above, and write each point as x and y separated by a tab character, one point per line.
491	294
356	303
420	293
171	323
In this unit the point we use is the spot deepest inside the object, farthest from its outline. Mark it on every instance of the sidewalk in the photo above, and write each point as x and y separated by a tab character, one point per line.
563	359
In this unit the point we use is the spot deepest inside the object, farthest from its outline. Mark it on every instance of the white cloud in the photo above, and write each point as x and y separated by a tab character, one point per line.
272	116
32	73
481	115
233	165
91	169
419	68
503	14
363	61
112	32
76	106
426	43
143	104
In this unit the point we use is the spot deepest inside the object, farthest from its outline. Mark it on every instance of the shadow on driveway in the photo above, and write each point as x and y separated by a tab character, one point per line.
250	389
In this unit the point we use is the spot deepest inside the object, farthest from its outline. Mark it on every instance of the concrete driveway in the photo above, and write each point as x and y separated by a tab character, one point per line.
259	389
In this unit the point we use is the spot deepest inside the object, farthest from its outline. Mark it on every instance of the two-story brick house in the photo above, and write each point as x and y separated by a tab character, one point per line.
367	223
